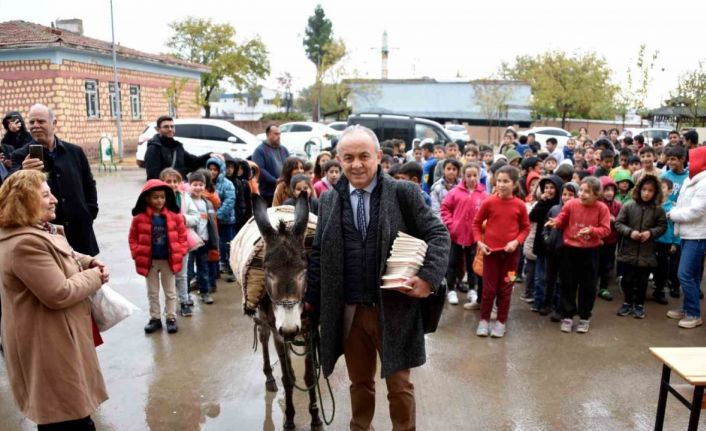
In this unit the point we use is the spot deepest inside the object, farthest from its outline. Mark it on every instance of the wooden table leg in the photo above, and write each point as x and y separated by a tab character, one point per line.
663	392
696	408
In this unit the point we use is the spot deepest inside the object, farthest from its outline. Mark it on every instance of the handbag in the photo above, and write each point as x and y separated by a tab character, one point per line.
478	263
433	305
109	308
193	240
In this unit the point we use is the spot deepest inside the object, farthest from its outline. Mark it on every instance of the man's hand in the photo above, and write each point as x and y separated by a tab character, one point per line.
635	235
30	163
483	248
550	223
585	231
420	288
644	236
511	246
672	249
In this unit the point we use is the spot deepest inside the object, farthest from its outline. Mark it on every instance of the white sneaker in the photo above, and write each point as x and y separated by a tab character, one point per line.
471	305
498	330
567	325
677	314
690	322
494	313
483	330
582	327
472	295
453	297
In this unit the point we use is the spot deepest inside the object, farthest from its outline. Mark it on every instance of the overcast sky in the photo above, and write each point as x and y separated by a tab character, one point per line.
442	39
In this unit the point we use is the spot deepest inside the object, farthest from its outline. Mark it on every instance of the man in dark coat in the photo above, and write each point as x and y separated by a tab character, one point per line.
358	221
269	157
163	151
69	177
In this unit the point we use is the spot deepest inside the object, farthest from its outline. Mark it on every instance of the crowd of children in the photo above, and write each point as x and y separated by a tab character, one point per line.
559	219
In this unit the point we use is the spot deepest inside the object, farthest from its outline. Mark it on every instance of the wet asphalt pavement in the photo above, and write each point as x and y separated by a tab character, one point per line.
207	377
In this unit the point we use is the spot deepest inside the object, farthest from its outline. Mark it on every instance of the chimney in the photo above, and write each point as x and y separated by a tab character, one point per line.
73	25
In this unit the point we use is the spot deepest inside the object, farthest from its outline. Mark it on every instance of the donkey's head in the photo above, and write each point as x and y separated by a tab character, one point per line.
285	264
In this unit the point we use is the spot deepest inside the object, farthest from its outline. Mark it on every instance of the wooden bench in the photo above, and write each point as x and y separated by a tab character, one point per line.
690	364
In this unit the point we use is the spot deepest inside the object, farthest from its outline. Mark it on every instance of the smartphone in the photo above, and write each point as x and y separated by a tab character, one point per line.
36	152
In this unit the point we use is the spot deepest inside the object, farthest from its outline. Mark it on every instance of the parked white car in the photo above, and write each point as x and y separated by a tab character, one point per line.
305	138
203	135
652	133
338	125
457	131
541	134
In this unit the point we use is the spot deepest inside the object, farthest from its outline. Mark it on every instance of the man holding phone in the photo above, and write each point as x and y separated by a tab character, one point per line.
69	177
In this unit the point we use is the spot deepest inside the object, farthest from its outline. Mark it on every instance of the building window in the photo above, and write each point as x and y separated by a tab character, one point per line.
92	105
115	102
135	102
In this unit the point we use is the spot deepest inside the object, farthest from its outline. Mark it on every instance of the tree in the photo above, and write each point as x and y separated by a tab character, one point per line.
173	93
563	85
633	94
285	84
333	98
691	92
492	97
201	41
322	50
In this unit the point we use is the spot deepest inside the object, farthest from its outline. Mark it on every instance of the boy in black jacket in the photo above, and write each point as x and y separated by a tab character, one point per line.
238	172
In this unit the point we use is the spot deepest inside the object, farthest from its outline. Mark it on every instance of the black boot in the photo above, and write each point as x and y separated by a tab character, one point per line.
660	297
153	325
171	326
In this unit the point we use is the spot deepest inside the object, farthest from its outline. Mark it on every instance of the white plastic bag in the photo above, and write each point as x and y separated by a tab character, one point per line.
110	308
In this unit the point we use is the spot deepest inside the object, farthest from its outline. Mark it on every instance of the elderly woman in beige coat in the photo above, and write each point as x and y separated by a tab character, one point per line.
46	326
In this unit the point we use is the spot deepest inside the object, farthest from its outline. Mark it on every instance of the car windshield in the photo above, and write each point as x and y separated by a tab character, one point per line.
422	131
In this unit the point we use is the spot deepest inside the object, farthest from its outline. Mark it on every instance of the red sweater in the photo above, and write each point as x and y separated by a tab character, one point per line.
507	221
575	216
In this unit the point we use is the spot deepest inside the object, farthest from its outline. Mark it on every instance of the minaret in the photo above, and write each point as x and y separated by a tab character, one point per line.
385	54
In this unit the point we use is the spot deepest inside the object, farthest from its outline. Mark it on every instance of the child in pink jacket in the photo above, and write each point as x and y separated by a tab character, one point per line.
457	212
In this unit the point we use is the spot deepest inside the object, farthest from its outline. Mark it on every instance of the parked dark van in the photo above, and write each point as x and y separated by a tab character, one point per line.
405	127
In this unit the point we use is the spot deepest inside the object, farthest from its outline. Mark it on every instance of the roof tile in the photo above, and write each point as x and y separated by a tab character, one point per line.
22	34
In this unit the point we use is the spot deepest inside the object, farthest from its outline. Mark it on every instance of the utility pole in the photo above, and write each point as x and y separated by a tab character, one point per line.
318	98
385	54
117	88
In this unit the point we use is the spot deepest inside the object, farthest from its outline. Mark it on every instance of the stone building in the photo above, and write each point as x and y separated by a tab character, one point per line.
73	74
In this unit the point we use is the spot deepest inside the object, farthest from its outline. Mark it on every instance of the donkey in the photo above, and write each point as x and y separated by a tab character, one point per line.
279	312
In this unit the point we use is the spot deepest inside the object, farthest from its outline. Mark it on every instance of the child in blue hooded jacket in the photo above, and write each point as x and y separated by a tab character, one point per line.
226	212
668	250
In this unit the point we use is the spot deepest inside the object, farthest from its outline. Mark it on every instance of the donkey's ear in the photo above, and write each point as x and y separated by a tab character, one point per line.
259	210
301	215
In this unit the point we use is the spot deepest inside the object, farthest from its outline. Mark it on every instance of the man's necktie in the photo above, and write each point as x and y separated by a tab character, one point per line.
362	222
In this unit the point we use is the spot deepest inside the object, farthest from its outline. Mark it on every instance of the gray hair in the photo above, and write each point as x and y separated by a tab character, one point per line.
357	128
52	117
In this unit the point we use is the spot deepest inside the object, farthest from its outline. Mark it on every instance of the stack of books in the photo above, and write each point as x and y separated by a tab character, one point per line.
406	258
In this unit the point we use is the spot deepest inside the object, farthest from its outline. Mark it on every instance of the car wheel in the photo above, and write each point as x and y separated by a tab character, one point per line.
312	149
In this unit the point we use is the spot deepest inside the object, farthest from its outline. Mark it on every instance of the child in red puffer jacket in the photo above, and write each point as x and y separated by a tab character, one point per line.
158	245
457	211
